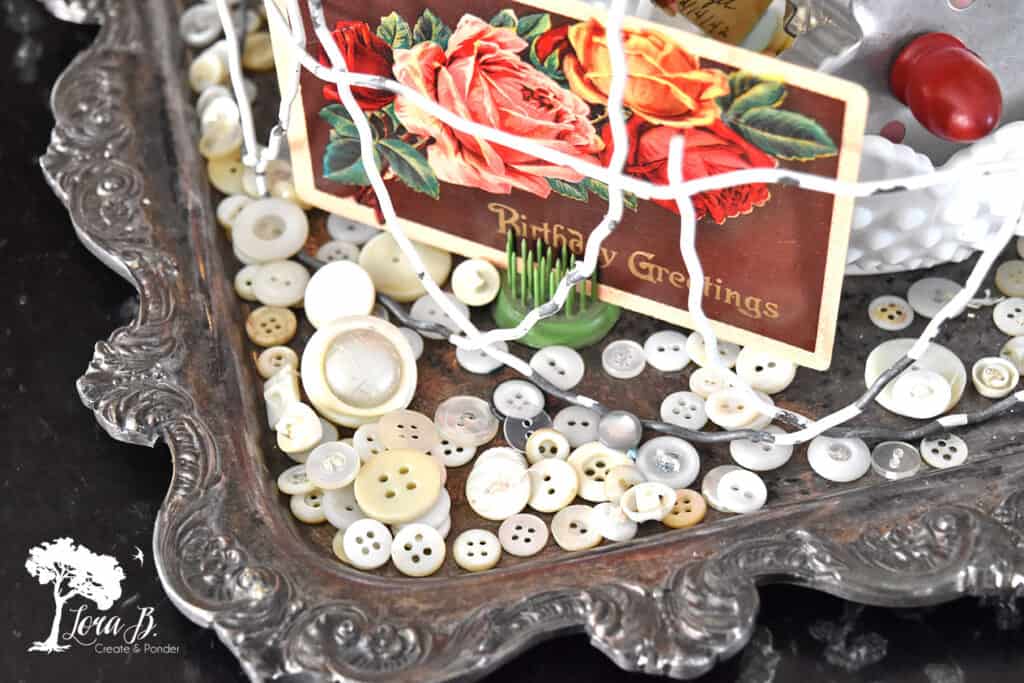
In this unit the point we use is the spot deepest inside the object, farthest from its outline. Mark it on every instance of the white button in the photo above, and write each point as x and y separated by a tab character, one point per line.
764	372
498	488
890	313
731	409
707	381
502	453
208	68
995	377
573	530
648	501
341	508
518	399
280	391
367	543
245	282
338	290
839	460
294	482
1013	351
475	282
592	462
763	419
761	456
936	358
398	486
665	351
709	485
560	365
270	229
332	465
281	283
391	272
577	424
219	112
895	460
348	230
553	485
452	455
466	421
727	351
1008	316
308	508
415	340
229	208
1010	278
427	310
476	550
199	25
477	361
418	550
612	523
547	443
407	429
742	492
623	359
438	514
921	394
299	428
523	535
366	441
684	409
928	295
669	460
273	359
336	250
947	450
621	479
214	92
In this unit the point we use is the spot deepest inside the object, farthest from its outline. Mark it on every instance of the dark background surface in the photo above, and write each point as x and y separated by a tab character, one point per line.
62	475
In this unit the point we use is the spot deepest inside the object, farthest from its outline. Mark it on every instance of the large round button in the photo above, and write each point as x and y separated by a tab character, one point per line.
466	421
890	313
995	377
612	523
273	359
338	290
1013	351
398	486
895	460
523	535
727	351
760	456
577	424
707	381
560	365
1008	316
517	431
477	361
929	295
452	455
731	409
553	485
688	510
418	550
270	229
407	429
425	309
476	550
943	451
1010	278
936	358
341	508
620	430
332	465
573	530
391	271
921	394
742	492
281	283
498	488
648	501
367	543
669	460
299	428
764	372
839	460
621	479
684	409
592	462
517	398
547	443
271	326
475	282
348	230
623	359
665	351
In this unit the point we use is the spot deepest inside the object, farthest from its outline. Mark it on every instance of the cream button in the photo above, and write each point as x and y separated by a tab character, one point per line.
684	409
760	456
1013	351
366	441
418	550
665	351
229	208
730	409
367	543
623	359
299	428
332	465
281	283
208	68
890	313
1010	278
425	309
553	485
648	501
452	455
221	140
577	424
523	535
391	272
226	176
498	488
477	361
336	250
612	523
245	282
244	259
414	339
921	394
895	460
518	399
592	462
547	443
280	391
308	508
839	460
560	365
502	453
398	486
401	429
742	492
764	372
341	509
257	52
219	112
689	509
476	550
995	377
929	295
466	421
294	482
215	92
338	290
573	530
727	351
620	429
271	326
347	230
1008	316
273	359
936	358
947	450
270	229
670	461
763	419
707	381
621	479
475	282
199	25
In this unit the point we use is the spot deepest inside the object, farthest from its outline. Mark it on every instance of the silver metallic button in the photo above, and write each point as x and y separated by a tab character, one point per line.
895	460
518	431
669	460
620	430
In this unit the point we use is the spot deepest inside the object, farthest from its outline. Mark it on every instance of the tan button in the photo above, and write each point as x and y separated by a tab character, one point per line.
621	479
398	486
573	529
475	282
592	462
391	272
271	326
553	485
257	53
226	175
688	510
1010	278
275	358
407	429
547	443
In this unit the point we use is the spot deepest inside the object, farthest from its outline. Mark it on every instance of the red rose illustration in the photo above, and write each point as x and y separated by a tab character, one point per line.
710	150
364	52
552	40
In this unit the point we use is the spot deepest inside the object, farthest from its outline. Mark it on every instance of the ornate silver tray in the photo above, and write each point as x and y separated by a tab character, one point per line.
123	159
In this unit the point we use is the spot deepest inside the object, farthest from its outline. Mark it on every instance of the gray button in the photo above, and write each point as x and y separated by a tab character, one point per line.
577	424
518	430
620	430
895	460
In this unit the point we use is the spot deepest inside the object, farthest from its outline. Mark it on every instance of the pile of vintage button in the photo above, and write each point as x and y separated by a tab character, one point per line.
383	489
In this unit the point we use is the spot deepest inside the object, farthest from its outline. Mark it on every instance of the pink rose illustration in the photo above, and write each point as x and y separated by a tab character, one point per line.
481	77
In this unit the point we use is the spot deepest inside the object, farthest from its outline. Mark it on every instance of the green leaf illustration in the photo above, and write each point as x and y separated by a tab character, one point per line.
395	31
629	199
764	94
506	18
337	117
549	67
342	162
532	25
410	166
575	191
430	27
739	83
785	134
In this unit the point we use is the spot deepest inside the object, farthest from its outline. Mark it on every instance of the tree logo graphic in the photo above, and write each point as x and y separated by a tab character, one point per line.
73	570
